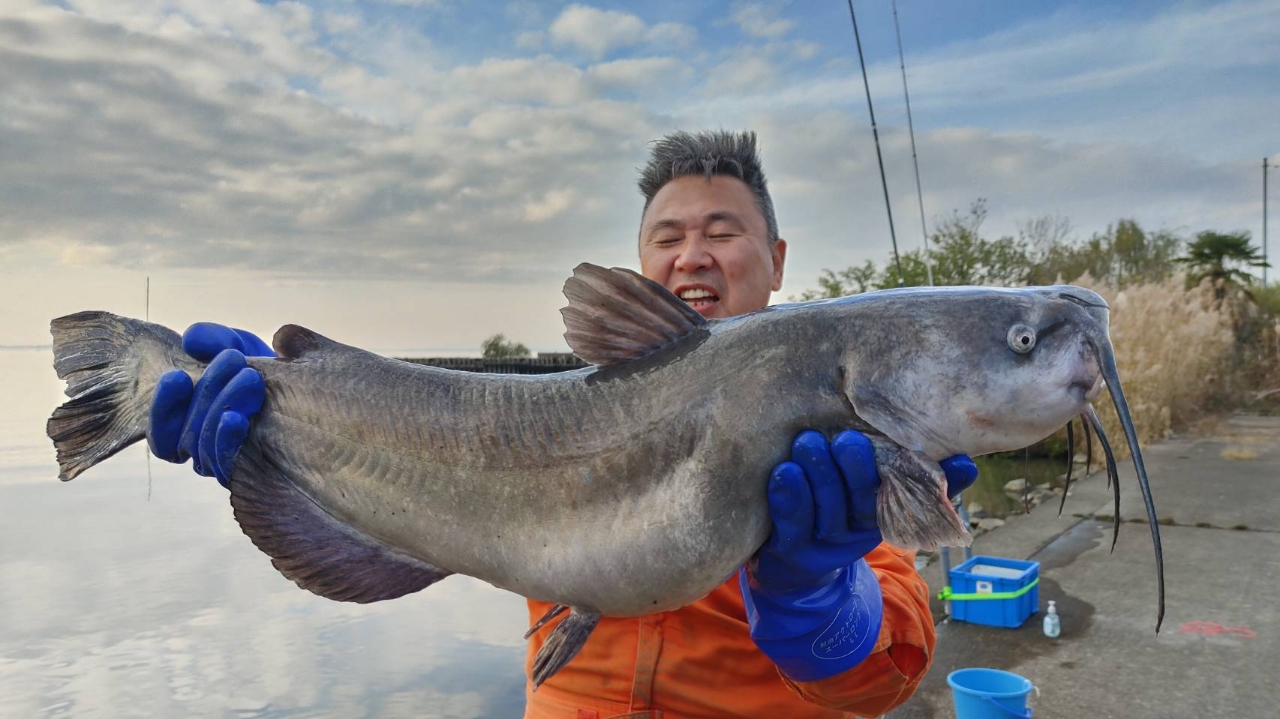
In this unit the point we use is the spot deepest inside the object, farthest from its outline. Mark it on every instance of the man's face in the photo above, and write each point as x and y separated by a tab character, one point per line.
708	242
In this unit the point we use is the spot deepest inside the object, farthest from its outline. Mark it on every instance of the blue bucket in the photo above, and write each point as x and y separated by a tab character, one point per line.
989	694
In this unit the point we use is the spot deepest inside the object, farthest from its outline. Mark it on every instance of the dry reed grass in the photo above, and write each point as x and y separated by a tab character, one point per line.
1174	349
1235	452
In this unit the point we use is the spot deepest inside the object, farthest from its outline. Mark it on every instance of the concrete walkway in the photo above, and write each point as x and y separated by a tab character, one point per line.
1218	652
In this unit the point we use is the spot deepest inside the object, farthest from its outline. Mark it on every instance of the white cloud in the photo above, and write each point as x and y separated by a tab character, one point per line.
524	80
141	164
295	20
1070	78
600	32
641	72
759	19
530	40
282	33
823	173
22	7
79	253
744	72
596	31
389	48
551	204
803	50
337	22
524	12
1065	55
671	35
166	135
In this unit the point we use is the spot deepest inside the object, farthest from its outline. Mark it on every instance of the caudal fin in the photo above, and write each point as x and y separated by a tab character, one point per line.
111	365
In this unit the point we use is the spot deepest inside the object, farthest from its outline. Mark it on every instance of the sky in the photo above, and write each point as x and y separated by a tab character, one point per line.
411	176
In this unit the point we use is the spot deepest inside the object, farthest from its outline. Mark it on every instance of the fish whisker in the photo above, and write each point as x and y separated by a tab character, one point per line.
1026	483
1111	473
1071	461
1088	446
1111	375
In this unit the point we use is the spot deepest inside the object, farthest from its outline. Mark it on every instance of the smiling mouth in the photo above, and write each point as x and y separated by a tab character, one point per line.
699	299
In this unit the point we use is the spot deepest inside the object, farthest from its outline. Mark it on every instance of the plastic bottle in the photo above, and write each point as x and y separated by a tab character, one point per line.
1052	627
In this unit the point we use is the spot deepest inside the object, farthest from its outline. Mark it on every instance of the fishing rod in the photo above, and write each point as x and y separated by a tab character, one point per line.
924	231
879	158
146	303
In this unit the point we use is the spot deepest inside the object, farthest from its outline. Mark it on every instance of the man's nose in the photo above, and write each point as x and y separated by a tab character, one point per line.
693	255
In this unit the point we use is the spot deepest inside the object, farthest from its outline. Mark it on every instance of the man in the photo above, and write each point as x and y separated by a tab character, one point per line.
826	621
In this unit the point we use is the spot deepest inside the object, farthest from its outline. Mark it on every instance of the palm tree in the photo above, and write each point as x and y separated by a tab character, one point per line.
1222	257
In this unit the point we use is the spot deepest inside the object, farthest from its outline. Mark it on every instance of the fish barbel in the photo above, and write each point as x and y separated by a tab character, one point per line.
630	487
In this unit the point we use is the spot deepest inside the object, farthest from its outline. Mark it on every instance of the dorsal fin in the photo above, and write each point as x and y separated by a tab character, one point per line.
615	315
292	341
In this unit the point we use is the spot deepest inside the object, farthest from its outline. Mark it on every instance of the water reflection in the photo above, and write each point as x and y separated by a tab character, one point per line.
116	605
995	471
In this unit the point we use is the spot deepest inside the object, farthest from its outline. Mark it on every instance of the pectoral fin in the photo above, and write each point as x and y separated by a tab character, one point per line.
912	508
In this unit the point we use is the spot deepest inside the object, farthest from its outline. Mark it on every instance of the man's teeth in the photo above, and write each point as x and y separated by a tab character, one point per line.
695	295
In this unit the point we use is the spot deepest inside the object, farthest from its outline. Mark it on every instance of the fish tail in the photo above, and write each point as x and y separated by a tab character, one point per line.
111	365
912	508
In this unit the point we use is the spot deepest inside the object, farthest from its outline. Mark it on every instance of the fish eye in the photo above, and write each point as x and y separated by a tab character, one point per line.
1021	339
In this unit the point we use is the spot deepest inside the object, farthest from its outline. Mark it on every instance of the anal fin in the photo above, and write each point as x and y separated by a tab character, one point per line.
313	548
552	613
563	644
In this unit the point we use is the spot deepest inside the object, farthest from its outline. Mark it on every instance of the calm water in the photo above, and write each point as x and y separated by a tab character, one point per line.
995	471
114	603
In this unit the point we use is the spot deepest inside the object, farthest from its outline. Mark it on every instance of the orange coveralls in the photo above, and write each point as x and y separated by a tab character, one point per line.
700	661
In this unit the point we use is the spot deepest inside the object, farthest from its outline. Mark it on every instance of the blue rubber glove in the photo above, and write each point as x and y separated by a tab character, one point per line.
209	420
813	603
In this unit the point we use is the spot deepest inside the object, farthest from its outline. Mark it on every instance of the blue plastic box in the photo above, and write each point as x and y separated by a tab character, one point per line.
982	575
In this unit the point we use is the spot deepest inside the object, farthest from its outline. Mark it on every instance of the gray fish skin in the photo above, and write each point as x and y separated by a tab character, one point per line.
625	489
641	489
636	489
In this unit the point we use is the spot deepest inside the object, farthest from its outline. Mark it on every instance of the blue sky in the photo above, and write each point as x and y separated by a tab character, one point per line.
419	174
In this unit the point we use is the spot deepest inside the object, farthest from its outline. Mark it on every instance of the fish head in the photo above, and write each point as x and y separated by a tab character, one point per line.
973	371
979	370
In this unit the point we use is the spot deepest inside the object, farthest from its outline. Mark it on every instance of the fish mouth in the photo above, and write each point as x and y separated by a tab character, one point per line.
1089	388
1087	380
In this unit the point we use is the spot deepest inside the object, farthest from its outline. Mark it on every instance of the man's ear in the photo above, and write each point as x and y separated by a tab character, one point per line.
779	253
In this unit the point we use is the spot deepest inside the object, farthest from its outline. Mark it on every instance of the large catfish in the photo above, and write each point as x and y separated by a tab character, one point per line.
630	487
